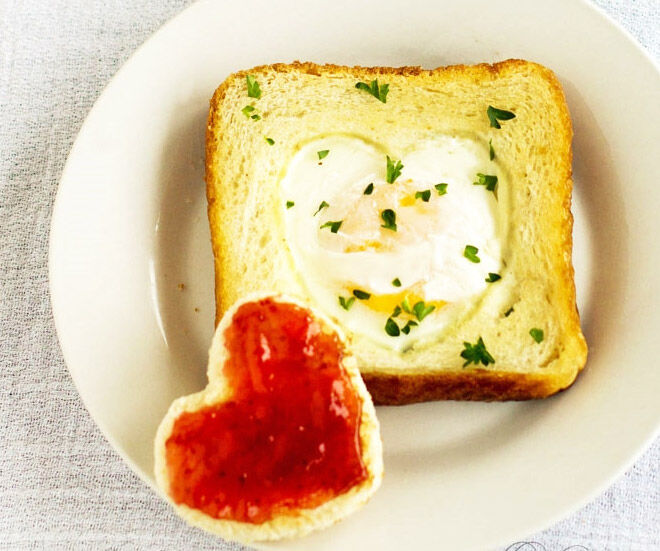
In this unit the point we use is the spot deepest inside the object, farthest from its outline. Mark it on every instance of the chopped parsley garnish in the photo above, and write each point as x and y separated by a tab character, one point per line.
470	253
493	277
488	180
508	312
289	204
379	92
537	334
423	195
389	217
406	328
362	295
421	310
369	189
323	154
491	151
475	353
346	302
334	226
253	87
393	170
322	206
396	282
495	115
441	188
391	328
247	110
255	117
270	141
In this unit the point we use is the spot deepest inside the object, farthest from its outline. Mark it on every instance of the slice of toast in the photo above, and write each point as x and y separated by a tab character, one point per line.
196	467
519	338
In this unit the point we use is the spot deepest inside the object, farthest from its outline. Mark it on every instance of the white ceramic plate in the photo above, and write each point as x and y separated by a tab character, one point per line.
130	226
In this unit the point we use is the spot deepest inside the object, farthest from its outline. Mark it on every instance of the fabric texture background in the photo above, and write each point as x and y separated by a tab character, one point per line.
61	484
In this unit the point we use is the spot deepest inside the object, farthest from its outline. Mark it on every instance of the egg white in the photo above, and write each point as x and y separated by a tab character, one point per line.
425	253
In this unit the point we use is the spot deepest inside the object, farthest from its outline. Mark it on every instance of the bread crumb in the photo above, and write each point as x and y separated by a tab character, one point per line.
196	309
180	286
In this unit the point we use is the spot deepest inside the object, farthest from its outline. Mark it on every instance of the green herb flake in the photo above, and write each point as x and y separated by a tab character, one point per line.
334	226
361	295
270	141
322	206
346	302
393	170
323	154
289	204
389	217
441	188
491	151
475	353
495	115
470	253
488	180
405	304
537	334
255	117
421	310
391	328
423	195
376	90
247	110
408	326
396	282
253	87
493	277
369	189
396	311
508	312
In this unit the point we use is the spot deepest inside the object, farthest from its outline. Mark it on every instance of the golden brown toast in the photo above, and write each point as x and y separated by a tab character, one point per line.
302	103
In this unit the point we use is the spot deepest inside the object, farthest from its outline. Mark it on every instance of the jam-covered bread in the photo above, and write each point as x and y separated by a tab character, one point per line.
283	440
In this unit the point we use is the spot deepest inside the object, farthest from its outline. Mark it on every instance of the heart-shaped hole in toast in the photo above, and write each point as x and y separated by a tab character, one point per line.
426	224
285	426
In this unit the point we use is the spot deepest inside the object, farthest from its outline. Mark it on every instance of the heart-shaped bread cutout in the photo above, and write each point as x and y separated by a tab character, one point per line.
283	440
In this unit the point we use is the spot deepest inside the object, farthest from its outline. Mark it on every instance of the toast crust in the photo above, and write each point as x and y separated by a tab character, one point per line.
400	387
477	385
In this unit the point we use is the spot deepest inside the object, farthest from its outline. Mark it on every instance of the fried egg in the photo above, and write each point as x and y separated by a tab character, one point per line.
395	245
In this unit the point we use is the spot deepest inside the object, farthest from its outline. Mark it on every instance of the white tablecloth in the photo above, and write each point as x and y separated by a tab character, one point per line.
61	485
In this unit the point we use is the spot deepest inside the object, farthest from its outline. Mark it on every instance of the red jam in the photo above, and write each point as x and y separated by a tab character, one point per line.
288	437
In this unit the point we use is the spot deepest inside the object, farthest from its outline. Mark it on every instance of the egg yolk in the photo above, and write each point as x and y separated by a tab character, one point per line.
386	303
362	230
